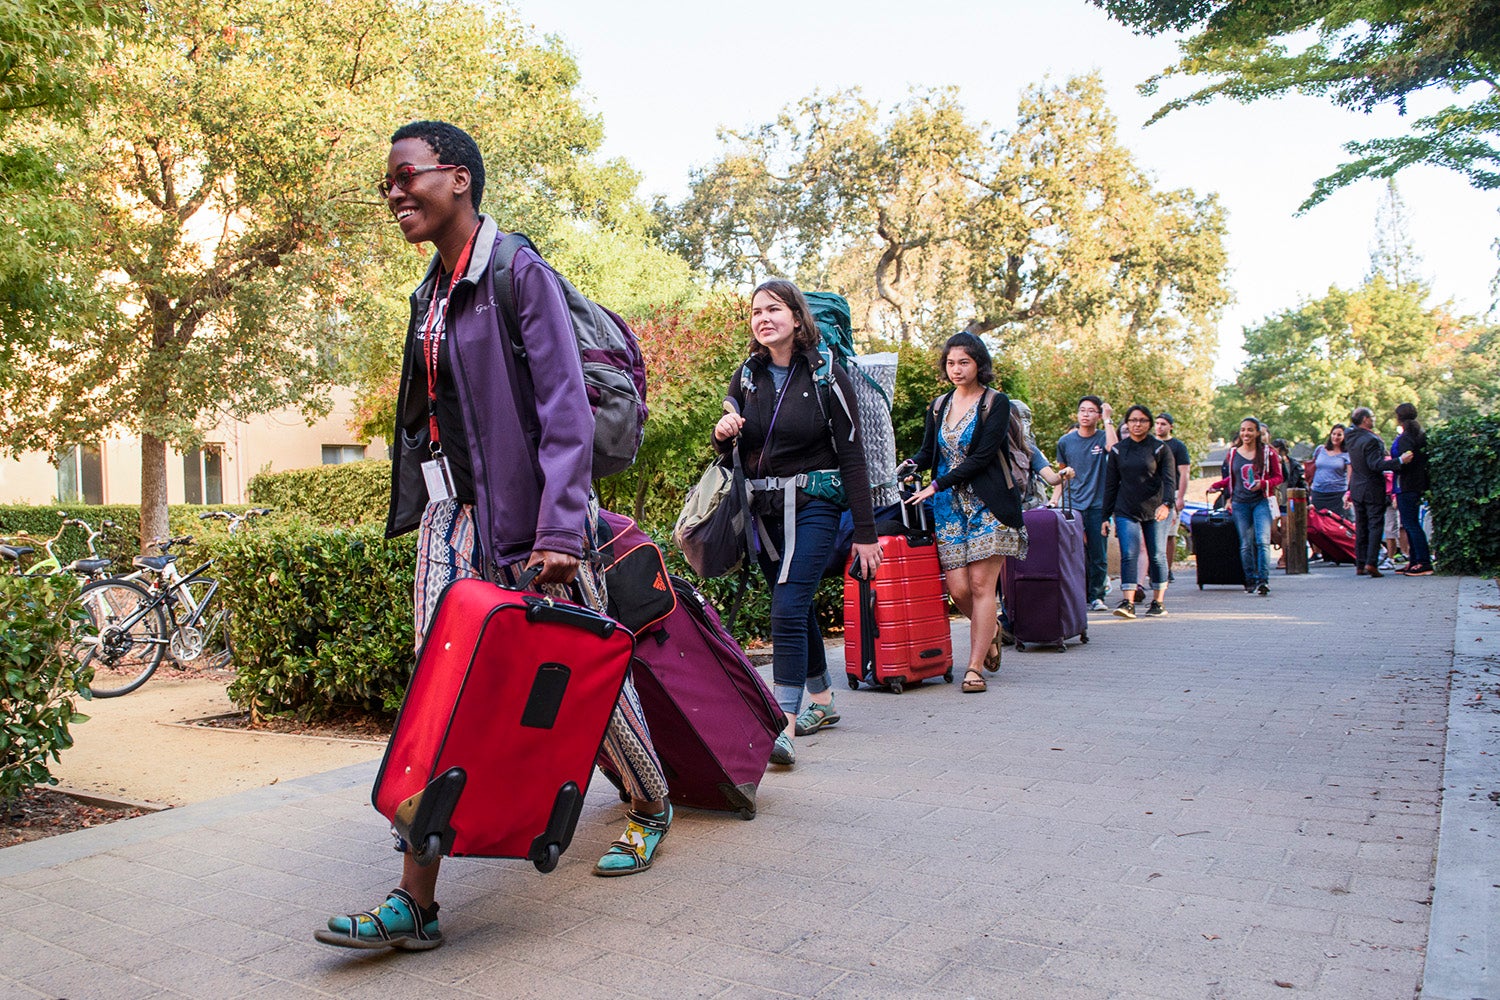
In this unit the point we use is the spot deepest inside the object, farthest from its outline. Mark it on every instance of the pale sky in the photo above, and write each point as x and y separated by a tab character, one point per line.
667	76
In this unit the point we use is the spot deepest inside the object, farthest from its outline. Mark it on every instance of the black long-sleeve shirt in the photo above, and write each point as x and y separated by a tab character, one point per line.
1139	477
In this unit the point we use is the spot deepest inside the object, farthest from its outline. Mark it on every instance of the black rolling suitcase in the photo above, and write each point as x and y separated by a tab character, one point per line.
1216	548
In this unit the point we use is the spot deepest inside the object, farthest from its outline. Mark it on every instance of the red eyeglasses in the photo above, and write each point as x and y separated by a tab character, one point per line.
403	177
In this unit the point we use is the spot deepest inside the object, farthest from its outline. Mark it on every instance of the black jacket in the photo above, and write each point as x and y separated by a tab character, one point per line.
1140	477
1368	464
801	440
981	468
1414	477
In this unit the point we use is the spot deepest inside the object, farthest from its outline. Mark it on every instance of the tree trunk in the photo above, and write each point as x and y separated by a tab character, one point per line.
153	489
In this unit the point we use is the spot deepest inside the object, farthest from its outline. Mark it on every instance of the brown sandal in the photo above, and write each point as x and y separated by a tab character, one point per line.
992	658
973	683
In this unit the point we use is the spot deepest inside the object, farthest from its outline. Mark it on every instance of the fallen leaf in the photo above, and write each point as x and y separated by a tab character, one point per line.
1282	983
1210	937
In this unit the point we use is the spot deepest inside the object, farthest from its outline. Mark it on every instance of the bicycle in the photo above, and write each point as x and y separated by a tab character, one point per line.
85	568
137	618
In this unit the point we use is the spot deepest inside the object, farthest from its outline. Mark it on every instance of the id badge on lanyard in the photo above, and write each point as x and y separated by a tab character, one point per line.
436	473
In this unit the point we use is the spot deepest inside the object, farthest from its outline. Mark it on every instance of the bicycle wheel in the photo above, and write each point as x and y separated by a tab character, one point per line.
131	640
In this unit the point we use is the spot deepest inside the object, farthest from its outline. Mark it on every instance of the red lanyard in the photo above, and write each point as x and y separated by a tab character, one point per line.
432	335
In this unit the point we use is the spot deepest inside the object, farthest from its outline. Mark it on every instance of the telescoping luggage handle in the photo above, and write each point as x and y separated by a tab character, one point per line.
910	483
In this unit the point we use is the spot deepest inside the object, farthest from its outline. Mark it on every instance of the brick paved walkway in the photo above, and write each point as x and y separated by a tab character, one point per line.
1238	801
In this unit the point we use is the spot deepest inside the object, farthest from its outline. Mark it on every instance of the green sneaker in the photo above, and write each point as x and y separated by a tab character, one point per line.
815	717
636	848
782	752
396	923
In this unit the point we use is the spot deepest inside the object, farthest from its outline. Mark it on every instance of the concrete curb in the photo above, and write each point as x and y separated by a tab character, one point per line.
1463	943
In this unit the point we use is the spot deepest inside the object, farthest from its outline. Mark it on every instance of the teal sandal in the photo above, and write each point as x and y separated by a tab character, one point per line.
636	849
396	923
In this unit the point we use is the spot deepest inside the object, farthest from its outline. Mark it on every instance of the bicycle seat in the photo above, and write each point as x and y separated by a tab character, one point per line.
157	563
15	551
92	565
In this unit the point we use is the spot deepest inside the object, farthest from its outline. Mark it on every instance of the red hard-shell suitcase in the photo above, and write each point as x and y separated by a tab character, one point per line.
896	628
1045	593
712	718
507	708
1331	535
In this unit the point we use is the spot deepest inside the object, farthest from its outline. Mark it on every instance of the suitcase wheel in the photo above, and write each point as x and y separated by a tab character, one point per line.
853	682
747	813
897	686
430	851
1200	586
549	859
1020	646
948	677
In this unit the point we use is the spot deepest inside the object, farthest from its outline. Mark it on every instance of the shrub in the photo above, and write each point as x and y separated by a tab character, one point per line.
1465	494
347	494
322	617
37	686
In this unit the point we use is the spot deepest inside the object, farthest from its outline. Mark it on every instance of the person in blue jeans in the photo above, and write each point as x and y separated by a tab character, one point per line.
1140	487
806	461
1084	453
1411	482
1251	472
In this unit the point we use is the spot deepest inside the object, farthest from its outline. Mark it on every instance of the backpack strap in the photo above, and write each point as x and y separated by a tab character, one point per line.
502	262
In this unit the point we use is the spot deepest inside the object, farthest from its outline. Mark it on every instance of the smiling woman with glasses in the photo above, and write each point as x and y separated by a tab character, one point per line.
1140	486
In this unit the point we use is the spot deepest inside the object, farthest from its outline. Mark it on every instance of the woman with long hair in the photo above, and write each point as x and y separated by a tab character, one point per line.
976	509
1330	478
1411	482
803	476
1252	471
1140	488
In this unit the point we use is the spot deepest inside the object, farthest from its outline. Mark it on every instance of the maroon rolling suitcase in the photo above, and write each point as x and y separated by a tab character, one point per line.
1045	593
507	708
896	629
712	718
1331	535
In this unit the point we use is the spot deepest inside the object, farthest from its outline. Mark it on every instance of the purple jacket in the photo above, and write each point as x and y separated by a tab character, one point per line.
531	443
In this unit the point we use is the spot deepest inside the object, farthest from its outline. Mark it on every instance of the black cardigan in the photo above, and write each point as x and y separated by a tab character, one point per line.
801	440
1140	477
981	468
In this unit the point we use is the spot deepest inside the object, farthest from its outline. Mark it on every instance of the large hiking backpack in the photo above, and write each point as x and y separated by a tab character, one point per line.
614	372
874	378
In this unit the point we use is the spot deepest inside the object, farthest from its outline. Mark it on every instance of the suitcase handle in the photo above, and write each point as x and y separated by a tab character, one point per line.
545	609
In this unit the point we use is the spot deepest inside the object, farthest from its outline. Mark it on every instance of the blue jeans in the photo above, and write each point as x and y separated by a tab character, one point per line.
1132	534
1410	506
1254	523
1095	553
798	660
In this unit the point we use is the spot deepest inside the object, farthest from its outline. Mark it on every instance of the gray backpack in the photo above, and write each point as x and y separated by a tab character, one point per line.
614	372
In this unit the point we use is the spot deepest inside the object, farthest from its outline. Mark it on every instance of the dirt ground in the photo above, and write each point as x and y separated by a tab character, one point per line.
137	748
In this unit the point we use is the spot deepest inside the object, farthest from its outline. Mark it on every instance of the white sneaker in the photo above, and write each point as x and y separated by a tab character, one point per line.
1386	566
1099	606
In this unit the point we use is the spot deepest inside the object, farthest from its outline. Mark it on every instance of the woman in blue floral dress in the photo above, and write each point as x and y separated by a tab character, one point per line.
976	508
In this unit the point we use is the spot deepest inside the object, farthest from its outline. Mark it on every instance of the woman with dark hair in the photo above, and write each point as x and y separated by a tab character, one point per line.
1252	471
976	507
1411	482
802	449
1330	478
1140	487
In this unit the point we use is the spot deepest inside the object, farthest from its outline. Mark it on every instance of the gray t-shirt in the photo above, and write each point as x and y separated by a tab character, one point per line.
1088	457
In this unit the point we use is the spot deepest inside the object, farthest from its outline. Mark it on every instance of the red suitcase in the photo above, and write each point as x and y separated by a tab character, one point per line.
896	628
1331	535
507	708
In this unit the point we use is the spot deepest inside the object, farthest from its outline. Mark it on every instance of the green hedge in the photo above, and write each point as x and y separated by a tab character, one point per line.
121	544
347	494
1465	495
37	687
322	617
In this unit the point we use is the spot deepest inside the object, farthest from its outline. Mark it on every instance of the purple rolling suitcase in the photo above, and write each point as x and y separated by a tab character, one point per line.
712	718
1045	592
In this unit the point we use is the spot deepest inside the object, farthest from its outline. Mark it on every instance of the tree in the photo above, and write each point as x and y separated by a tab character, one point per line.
1358	53
929	225
225	176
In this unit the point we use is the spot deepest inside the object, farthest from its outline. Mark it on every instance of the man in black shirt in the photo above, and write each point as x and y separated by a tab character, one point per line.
1164	428
1368	464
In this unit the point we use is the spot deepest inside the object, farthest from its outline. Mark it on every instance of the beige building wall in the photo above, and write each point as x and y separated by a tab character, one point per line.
272	442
